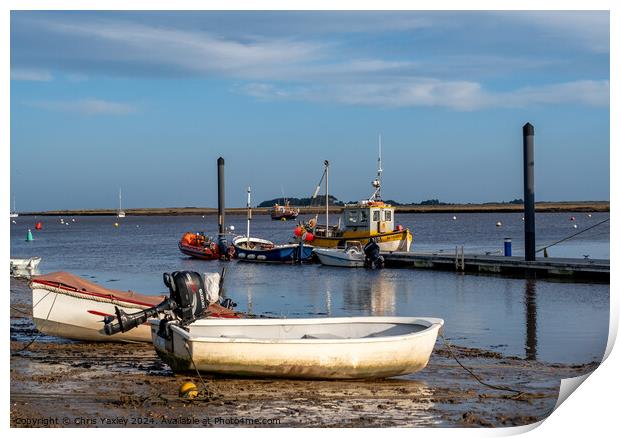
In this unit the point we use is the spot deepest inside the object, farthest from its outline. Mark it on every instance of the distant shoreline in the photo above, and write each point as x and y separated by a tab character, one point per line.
542	207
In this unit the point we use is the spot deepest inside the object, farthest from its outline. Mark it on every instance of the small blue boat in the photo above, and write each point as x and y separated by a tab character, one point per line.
260	250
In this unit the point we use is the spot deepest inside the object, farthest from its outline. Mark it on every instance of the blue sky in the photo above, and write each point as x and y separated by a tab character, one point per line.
148	101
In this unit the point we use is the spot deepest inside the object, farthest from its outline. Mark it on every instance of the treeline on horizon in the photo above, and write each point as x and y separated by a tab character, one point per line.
320	200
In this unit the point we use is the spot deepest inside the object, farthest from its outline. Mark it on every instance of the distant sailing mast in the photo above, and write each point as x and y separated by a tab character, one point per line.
120	213
14	212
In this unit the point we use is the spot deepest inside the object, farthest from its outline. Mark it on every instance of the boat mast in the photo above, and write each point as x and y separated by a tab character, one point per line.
326	198
376	196
247	241
120	206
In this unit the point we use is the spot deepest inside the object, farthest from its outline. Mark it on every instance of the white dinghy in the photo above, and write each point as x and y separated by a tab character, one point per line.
25	264
317	348
71	307
352	256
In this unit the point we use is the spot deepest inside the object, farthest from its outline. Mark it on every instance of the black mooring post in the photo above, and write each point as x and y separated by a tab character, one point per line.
528	192
221	205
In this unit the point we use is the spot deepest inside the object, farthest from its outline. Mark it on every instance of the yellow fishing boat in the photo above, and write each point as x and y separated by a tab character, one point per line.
362	221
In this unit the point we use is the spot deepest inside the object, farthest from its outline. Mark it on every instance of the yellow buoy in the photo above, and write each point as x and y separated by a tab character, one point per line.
188	390
116	224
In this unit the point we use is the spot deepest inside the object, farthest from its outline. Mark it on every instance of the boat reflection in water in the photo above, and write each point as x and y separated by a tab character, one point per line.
375	296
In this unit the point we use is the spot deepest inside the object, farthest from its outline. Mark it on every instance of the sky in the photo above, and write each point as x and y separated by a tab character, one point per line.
148	101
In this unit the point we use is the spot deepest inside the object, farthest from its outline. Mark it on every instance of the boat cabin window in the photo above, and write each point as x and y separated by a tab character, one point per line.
387	215
376	216
355	218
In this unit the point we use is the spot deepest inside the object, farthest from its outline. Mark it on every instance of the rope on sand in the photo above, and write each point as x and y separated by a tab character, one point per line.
40	333
518	394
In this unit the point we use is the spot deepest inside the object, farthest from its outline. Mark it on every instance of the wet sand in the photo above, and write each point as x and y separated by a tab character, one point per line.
55	383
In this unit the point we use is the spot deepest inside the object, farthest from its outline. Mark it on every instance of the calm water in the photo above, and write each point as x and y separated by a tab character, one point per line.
544	320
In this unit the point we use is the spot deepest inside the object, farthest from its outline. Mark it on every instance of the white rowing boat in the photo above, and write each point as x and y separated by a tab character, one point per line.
25	264
71	307
352	256
318	348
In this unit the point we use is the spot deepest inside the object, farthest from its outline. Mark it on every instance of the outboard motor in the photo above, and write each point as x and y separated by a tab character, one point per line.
373	259
188	301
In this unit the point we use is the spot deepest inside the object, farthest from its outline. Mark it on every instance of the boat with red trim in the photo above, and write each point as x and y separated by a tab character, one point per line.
69	306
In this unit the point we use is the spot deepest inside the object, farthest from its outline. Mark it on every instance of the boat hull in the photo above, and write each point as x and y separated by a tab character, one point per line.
81	318
283	216
392	241
217	348
339	258
199	252
23	264
278	254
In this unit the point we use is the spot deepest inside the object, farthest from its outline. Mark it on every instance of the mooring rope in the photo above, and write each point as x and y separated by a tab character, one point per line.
518	393
572	235
40	332
210	395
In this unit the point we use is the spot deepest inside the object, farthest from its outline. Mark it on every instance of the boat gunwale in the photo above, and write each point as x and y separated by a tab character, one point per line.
259	240
433	324
337	253
74	290
386	234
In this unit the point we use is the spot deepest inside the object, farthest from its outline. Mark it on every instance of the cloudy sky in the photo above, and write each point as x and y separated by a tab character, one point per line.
148	101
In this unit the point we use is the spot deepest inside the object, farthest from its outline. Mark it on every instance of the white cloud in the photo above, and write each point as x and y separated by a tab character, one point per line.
456	95
20	74
279	68
85	106
192	51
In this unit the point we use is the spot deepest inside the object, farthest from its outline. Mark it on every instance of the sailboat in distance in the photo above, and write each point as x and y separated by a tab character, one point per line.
120	212
13	212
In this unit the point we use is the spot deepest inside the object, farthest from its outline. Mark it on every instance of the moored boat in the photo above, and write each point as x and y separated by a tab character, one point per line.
29	264
254	249
352	256
318	348
284	212
120	213
199	245
71	307
13	213
361	221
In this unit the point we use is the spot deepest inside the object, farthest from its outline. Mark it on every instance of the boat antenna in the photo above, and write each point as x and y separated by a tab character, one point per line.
326	198
376	196
247	241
